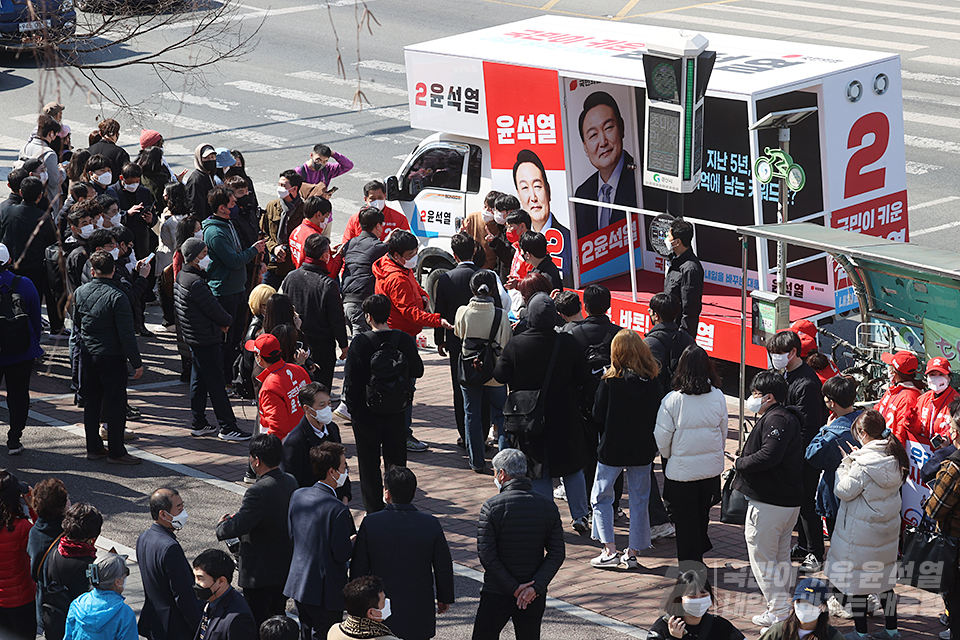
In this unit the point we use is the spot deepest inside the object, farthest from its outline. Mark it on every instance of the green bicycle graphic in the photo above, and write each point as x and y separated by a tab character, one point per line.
778	164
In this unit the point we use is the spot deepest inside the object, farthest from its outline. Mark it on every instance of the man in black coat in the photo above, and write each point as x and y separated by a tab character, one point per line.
316	296
321	528
261	525
685	276
359	254
14	178
137	208
665	339
377	432
533	249
170	611
452	292
316	427
520	540
406	548
107	146
203	322
226	615
200	181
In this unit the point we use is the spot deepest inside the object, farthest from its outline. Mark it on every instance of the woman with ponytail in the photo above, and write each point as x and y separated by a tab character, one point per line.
863	549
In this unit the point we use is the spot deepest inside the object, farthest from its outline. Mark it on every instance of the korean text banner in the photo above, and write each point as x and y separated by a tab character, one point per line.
941	341
446	93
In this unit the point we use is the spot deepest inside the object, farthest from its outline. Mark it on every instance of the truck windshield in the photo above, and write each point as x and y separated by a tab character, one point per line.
437	168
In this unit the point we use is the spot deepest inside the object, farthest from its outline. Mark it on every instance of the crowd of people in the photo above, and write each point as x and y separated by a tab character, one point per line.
266	306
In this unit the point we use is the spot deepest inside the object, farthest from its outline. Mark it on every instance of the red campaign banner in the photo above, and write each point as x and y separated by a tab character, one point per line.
604	245
883	217
523	112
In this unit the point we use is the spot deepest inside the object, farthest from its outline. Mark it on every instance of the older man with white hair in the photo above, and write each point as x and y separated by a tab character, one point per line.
521	549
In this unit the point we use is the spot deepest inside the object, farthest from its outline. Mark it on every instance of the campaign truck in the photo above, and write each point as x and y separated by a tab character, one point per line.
557	111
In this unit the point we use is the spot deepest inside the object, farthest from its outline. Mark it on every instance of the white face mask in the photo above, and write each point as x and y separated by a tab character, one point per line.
115	252
487	216
379	204
806	611
754	404
324	416
411	263
105	178
342	480
131	187
198	235
204	262
696	607
499	218
496	481
44	176
939	384
283	193
385	612
178	521
86	230
115	220
780	360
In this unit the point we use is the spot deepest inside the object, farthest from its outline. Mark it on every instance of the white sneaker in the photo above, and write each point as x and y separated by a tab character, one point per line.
604	561
663	531
836	610
945	635
873	604
765	619
342	411
560	493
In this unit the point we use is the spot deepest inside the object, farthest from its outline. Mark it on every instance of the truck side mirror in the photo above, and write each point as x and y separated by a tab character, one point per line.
393	188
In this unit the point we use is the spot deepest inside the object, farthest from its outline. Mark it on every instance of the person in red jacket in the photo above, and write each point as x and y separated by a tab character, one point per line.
18	614
933	414
280	409
396	280
899	404
316	216
374	195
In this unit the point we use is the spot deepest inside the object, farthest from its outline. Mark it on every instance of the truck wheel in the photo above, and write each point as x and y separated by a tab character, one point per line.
430	285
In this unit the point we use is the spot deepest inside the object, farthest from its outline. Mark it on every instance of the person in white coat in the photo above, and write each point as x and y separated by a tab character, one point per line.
863	549
691	432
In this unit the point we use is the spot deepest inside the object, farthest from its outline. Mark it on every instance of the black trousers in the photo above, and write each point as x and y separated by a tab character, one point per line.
324	354
494	611
17	376
810	534
19	622
316	621
207	379
104	388
688	504
858	607
386	434
265	602
953	606
232	305
39	280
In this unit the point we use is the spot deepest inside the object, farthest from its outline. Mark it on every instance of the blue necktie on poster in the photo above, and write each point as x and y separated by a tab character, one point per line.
605	192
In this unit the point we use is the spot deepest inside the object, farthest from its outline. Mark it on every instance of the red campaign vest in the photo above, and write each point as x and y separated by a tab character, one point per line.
933	413
298	238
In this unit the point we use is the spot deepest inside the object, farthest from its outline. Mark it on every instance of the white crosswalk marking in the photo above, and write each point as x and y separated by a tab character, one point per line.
924	118
937	60
364	86
186	98
380	65
78	130
929	7
320	125
931	98
862	11
934	203
931	144
192	124
930	77
393	113
919	168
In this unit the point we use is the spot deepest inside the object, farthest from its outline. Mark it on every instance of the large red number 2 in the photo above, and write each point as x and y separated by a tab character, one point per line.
858	182
421	94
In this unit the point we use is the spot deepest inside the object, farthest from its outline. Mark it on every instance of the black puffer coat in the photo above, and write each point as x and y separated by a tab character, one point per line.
200	315
520	539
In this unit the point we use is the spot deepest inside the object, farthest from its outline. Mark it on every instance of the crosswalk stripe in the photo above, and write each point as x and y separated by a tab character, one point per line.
919	168
950	81
191	124
186	98
923	6
837	22
392	113
861	11
320	125
78	130
953	62
932	98
925	118
933	203
800	34
380	65
256	14
364	86
931	144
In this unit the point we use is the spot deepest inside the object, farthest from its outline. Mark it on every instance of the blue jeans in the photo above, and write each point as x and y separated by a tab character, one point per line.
475	435
576	487
638	483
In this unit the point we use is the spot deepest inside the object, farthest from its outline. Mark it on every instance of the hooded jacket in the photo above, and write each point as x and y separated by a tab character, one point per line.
864	545
406	295
824	453
200	314
198	185
359	254
101	615
691	433
768	469
227	272
37	148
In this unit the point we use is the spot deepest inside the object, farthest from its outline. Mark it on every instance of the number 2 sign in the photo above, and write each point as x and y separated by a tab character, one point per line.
859	181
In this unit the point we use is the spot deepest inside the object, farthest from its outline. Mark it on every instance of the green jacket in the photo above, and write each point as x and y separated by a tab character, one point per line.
102	313
776	632
227	272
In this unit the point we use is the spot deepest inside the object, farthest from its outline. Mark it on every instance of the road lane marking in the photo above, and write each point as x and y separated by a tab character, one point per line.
931	143
320	125
393	113
953	62
366	85
919	168
950	81
380	65
186	98
200	126
926	118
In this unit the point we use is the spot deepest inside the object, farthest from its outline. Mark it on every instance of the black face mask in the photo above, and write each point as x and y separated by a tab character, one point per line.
202	593
244	200
209	165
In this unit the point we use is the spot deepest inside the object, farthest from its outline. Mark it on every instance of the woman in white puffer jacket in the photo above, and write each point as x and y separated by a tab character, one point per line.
863	548
691	433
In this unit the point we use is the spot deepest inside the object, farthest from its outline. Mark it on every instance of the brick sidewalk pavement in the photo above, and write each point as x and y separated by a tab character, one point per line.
453	493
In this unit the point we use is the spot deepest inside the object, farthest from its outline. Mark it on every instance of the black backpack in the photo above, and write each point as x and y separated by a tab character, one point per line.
389	389
476	369
598	355
668	368
15	335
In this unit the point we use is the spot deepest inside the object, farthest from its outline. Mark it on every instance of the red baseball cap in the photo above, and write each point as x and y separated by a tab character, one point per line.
807	345
903	361
804	328
938	365
266	345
